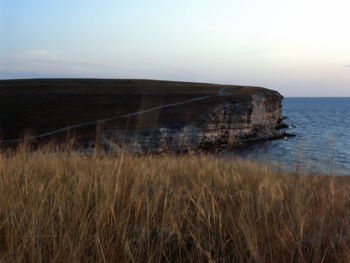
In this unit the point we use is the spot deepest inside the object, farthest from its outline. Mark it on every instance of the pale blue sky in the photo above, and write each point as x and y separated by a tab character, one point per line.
298	47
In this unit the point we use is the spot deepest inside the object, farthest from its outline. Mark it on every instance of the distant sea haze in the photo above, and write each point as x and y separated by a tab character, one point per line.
322	142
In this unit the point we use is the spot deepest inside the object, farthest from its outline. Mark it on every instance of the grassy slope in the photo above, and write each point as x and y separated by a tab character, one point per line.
67	208
121	86
47	104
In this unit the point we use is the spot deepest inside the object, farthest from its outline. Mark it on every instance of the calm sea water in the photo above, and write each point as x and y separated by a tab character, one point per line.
322	142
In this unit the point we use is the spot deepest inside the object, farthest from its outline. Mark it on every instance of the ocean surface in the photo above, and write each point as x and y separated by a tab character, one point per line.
322	142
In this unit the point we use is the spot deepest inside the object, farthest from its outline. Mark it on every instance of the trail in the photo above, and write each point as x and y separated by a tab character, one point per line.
79	125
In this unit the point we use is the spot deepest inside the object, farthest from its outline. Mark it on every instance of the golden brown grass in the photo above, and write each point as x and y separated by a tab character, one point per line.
64	207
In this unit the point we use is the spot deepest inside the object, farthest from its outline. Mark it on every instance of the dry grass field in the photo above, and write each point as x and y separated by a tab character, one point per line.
59	206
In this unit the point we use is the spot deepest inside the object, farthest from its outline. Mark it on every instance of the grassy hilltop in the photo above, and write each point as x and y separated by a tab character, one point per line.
43	105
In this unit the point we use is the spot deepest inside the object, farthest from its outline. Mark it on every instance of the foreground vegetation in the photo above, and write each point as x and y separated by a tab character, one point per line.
64	207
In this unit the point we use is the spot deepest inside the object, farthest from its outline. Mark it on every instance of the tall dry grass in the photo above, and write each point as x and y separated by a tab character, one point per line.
64	207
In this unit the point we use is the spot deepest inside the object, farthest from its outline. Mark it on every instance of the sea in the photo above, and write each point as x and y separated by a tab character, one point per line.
322	142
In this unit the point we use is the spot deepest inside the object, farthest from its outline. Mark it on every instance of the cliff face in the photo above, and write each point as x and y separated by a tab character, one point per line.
230	122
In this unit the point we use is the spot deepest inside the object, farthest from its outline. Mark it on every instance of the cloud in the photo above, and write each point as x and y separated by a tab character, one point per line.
347	66
41	56
42	63
51	63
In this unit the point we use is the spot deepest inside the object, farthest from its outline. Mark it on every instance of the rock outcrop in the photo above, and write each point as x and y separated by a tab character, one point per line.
230	122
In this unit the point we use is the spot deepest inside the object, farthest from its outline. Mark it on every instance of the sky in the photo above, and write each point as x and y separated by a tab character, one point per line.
298	47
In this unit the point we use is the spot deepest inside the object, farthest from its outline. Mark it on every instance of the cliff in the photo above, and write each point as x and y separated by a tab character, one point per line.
225	122
139	116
